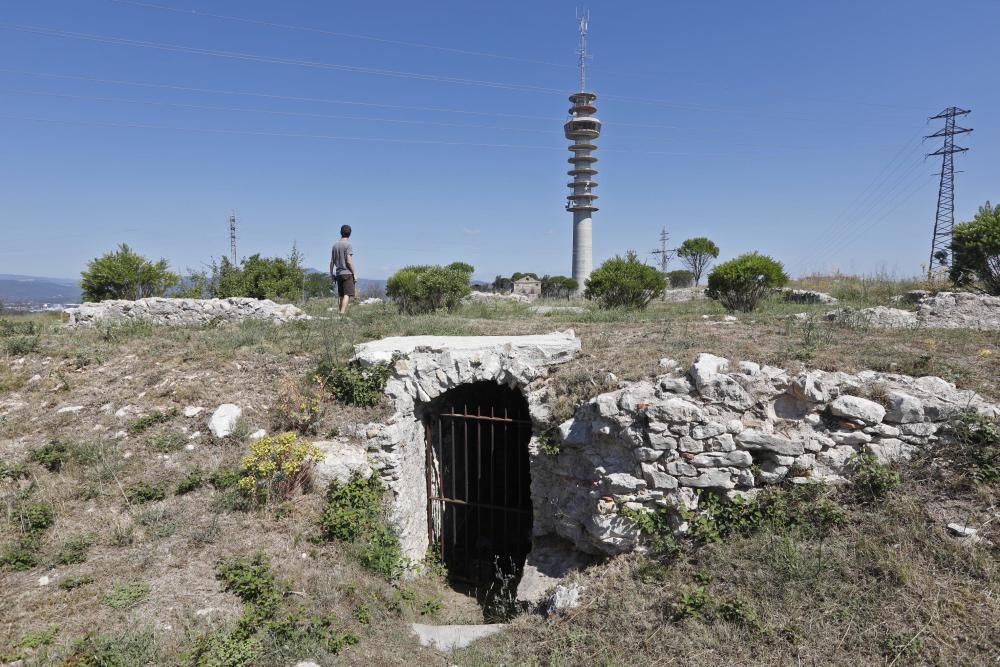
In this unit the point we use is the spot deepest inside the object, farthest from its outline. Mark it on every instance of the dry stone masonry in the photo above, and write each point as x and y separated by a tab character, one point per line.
184	312
944	310
728	430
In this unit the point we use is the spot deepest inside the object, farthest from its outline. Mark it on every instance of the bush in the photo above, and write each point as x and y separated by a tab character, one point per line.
75	550
698	253
741	283
19	346
277	467
256	277
144	492
973	446
625	283
354	514
975	247
299	405
51	455
144	423
355	385
424	289
127	595
124	274
872	481
680	278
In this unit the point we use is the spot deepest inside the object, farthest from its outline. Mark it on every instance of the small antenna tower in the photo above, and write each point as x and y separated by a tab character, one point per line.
232	236
665	254
944	219
583	22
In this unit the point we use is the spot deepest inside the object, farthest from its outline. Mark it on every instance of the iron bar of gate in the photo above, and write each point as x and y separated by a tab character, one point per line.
459	415
489	506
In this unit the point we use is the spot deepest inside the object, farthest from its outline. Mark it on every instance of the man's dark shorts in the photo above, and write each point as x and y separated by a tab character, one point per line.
345	285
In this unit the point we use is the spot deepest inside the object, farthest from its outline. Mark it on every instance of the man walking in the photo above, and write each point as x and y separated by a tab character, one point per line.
342	268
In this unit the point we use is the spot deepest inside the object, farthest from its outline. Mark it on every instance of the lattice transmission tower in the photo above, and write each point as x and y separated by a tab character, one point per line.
944	220
232	237
664	253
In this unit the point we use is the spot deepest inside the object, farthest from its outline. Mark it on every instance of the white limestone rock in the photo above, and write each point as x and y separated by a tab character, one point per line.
855	407
223	420
341	460
705	367
904	408
754	440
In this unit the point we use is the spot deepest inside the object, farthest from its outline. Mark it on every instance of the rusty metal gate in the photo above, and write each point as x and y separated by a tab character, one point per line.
478	482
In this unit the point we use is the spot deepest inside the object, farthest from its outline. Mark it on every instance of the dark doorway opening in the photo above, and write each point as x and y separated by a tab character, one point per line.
478	483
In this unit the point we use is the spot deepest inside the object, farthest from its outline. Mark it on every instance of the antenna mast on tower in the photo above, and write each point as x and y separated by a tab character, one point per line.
232	236
583	22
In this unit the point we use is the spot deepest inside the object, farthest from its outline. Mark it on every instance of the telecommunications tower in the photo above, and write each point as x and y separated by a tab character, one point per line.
232	237
944	219
582	127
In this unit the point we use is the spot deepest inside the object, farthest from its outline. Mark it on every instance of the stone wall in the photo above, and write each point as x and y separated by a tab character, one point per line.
943	310
658	443
426	367
183	312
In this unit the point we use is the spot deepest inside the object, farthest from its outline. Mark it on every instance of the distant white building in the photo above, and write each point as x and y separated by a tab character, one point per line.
528	287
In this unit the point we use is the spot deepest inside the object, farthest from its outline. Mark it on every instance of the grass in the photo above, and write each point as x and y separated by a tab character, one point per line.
891	585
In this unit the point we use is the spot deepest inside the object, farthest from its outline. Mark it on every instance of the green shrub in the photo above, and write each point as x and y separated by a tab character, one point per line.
17	328
144	492
257	277
39	638
975	246
354	513
146	422
21	555
680	278
251	580
224	478
21	345
872	481
697	253
33	518
690	603
124	274
425	289
168	441
738	610
75	550
72	583
972	445
741	283
124	596
127	649
51	455
194	480
357	385
624	283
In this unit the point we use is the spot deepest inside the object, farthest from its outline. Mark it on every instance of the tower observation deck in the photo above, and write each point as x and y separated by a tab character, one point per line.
582	128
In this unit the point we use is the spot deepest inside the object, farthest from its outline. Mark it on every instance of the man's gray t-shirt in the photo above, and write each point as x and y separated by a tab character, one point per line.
342	249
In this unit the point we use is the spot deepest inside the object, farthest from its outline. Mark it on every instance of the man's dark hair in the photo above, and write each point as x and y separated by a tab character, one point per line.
345	231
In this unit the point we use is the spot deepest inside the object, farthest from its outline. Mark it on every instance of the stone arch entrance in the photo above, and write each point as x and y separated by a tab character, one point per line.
479	511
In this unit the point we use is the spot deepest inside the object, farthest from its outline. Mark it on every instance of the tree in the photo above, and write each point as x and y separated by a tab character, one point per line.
741	283
125	274
625	283
502	284
256	277
680	278
424	289
517	275
698	253
317	285
975	247
558	287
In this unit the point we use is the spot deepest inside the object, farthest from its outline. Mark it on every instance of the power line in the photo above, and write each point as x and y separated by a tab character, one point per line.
944	217
332	33
356	69
275	60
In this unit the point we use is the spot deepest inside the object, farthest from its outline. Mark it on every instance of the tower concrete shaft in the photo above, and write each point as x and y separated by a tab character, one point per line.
582	127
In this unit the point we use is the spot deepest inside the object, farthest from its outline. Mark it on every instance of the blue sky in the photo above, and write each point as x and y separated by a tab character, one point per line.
434	128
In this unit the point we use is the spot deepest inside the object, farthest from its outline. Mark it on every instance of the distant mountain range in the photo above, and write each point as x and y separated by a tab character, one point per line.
16	289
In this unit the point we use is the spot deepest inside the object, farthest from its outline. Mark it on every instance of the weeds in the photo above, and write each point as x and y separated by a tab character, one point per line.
277	468
131	647
356	385
124	596
299	405
75	549
167	442
354	514
72	583
871	481
972	446
192	482
144	423
51	455
144	492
